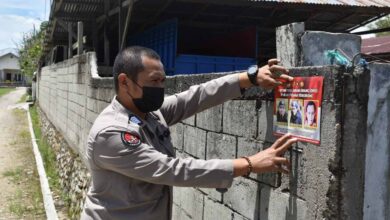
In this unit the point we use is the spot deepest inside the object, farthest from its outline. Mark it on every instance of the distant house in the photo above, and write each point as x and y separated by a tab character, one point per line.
377	46
10	68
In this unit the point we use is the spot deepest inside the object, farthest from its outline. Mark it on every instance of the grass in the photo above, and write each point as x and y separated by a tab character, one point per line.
49	159
15	175
4	91
47	153
23	98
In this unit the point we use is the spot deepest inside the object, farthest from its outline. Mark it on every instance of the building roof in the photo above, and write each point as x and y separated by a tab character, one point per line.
220	16
376	45
6	51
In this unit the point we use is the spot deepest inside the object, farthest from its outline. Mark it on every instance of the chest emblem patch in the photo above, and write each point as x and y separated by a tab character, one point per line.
130	139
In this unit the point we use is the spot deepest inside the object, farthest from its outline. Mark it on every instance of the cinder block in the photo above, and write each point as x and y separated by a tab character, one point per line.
81	89
214	210
237	216
314	44
81	99
248	146
190	200
177	135
210	119
190	120
275	205
101	106
92	92
243	197
170	85
105	94
220	146
195	141
91	116
212	193
179	214
92	104
265	121
240	118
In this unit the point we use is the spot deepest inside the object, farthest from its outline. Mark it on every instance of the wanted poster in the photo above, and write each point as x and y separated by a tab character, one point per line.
297	109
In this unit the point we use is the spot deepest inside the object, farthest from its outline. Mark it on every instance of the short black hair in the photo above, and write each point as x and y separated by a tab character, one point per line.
281	102
313	104
129	61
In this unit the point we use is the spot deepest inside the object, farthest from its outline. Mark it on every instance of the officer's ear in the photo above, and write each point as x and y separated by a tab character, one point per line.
122	80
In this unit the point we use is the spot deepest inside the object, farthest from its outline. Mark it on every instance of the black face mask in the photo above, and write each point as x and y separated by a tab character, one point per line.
151	100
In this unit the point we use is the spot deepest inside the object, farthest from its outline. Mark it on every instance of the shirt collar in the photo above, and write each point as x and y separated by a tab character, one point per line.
124	111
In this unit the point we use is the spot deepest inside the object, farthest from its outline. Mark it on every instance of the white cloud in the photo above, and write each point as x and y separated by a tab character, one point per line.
13	27
18	17
32	5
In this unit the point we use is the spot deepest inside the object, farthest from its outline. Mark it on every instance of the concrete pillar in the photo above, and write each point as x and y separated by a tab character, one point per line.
297	47
314	44
377	175
287	50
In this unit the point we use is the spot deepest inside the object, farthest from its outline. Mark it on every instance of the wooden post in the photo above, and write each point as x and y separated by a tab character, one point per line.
80	37
65	52
70	45
129	10
106	40
95	38
120	25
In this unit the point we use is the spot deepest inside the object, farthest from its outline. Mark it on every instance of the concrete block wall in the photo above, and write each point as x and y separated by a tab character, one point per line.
62	89
243	127
71	95
377	172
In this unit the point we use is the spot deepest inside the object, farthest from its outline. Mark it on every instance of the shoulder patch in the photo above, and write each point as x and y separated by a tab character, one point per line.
130	140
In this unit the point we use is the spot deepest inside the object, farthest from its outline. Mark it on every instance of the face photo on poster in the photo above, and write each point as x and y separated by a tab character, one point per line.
297	109
311	114
295	113
282	111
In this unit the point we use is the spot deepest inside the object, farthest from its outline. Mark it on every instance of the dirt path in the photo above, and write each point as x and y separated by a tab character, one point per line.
20	196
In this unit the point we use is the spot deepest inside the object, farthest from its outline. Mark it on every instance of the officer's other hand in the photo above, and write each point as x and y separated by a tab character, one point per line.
271	159
272	75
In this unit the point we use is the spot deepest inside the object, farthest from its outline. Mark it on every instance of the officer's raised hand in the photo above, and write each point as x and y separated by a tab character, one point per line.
267	76
268	160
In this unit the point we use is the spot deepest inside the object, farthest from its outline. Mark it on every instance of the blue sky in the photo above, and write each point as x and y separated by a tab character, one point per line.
18	17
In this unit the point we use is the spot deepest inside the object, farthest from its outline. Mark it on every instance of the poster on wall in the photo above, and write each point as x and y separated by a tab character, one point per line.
297	109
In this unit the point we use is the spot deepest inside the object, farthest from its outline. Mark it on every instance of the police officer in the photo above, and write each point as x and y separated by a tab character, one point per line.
130	154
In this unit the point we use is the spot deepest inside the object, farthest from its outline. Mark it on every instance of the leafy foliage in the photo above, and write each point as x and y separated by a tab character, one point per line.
30	50
381	23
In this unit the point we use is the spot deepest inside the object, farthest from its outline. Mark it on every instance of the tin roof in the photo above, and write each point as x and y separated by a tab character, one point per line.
359	3
209	15
376	45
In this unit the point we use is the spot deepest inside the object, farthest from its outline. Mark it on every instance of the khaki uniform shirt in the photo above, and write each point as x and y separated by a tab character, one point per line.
132	161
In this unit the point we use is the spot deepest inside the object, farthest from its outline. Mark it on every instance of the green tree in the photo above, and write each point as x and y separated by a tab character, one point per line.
381	23
30	50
